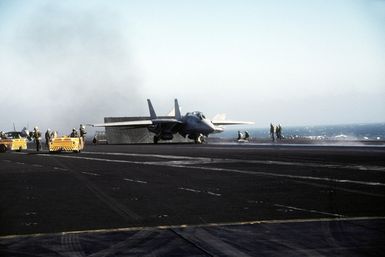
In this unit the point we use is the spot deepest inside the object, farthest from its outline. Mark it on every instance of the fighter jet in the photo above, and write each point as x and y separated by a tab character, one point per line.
193	125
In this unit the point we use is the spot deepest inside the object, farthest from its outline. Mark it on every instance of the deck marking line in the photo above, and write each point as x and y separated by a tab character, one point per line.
189	189
136	181
90	173
214	194
147	155
195	160
258	173
306	210
181	226
58	168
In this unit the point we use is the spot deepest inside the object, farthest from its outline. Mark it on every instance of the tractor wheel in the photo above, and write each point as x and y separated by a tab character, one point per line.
3	148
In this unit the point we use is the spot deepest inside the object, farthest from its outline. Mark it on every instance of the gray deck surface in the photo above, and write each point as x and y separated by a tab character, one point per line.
194	200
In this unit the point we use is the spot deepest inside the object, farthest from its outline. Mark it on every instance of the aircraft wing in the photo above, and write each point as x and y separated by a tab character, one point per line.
166	120
220	119
138	123
230	122
134	123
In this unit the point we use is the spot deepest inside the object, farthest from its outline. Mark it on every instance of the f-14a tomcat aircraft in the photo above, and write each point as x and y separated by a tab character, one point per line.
194	125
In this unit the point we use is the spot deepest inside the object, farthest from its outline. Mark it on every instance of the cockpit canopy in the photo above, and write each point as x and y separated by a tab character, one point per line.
200	115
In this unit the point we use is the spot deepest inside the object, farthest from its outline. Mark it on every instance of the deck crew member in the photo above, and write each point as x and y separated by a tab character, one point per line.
36	135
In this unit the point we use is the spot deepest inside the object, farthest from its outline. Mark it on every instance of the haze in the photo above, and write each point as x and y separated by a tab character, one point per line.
63	63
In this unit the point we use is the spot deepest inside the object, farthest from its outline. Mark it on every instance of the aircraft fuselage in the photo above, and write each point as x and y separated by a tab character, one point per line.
193	125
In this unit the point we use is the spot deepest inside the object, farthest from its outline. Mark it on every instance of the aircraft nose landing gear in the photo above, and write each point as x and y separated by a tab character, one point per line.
200	139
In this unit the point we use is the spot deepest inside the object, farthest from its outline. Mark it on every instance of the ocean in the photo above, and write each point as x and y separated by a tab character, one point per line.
374	131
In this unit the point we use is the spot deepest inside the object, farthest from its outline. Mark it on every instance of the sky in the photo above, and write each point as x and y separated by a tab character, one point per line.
318	62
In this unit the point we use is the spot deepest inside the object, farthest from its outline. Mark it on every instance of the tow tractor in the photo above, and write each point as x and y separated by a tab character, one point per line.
13	141
66	144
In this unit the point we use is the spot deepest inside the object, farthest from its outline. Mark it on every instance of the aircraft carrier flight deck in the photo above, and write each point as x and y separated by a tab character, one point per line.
194	200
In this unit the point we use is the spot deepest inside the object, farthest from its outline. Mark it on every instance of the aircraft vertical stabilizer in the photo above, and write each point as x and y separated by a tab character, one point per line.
178	116
151	108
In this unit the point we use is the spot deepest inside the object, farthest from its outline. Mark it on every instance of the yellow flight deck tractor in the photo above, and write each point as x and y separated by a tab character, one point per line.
66	144
13	144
